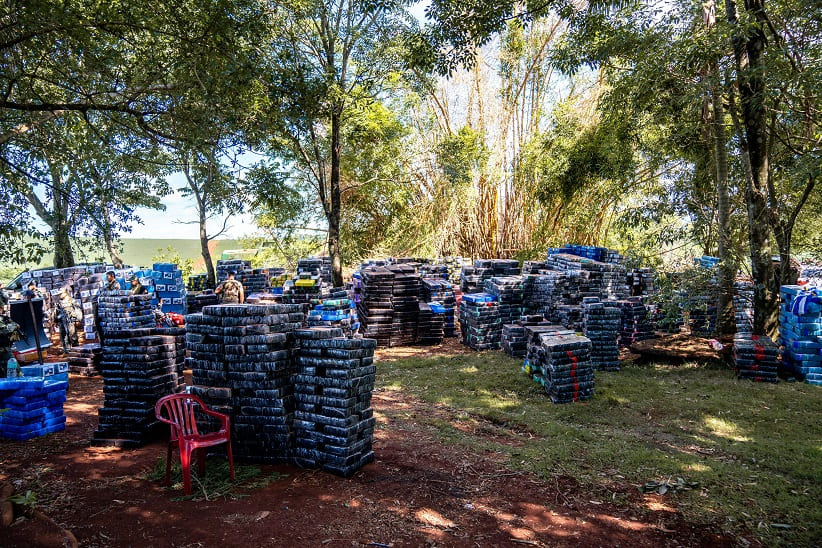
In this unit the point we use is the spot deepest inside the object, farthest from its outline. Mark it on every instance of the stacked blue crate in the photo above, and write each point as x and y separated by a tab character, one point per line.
169	288
601	254
339	312
146	278
800	332
32	405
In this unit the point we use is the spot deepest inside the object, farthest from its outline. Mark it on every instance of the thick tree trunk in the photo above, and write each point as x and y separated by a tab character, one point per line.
111	247
748	52
63	254
211	278
725	309
334	216
108	239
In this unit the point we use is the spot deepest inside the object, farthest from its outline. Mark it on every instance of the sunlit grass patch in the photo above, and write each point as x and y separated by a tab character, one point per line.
753	448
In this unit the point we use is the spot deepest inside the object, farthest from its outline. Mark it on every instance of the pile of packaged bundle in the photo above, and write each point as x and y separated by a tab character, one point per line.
440	295
334	422
543	291
241	362
561	363
480	321
307	285
702	315
589	278
336	311
800	332
569	315
515	336
601	324
430	323
756	357
636	323
86	290
319	266
509	293
169	288
812	275
120	310
405	298
85	359
277	282
195	303
472	278
743	306
32	404
374	306
434	270
599	254
224	266
641	282
197	282
140	365
254	280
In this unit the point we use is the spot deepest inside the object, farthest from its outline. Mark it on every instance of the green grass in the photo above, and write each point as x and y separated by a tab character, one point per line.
755	449
217	480
135	252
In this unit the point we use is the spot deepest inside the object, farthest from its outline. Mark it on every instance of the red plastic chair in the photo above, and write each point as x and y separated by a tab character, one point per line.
180	411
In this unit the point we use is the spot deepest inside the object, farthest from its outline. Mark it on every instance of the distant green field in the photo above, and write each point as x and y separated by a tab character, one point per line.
139	252
135	252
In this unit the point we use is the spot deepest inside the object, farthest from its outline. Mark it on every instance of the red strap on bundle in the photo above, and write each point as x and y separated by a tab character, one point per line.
574	374
759	350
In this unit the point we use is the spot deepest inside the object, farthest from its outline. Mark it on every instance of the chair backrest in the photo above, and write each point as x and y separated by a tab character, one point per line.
180	411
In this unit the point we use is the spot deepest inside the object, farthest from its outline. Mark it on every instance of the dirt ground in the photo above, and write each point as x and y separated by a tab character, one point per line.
419	492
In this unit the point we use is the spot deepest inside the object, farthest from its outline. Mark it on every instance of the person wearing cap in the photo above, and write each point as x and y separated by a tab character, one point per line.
136	287
32	292
231	291
66	313
111	282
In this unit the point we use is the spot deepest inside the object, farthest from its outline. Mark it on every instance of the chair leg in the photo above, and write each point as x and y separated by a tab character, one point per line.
185	464
168	465
201	463
230	460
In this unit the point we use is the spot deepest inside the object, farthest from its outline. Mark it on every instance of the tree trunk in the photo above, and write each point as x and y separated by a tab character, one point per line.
334	217
748	53
108	239
111	247
725	318
211	278
63	254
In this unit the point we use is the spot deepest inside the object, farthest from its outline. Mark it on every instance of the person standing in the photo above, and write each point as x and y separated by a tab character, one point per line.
231	291
136	287
32	291
111	282
9	333
4	299
66	313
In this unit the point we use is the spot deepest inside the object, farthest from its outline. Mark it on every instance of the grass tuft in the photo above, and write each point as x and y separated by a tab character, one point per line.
217	481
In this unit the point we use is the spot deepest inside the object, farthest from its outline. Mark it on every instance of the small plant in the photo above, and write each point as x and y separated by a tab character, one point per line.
29	500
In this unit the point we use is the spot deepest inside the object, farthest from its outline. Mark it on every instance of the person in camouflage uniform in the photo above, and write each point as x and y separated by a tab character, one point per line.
66	313
136	287
231	291
9	333
111	282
